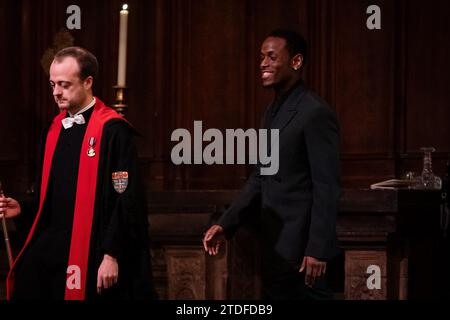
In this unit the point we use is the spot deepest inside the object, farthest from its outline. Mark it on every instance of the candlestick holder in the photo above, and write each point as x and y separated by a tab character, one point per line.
120	106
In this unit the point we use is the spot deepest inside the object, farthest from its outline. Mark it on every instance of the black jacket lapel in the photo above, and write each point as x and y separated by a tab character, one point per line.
288	109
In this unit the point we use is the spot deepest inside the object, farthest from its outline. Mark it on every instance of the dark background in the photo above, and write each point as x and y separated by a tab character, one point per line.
198	60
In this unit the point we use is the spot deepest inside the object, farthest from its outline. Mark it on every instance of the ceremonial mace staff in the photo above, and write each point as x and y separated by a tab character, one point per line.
5	234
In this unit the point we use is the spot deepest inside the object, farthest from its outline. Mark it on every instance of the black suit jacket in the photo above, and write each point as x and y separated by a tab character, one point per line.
297	205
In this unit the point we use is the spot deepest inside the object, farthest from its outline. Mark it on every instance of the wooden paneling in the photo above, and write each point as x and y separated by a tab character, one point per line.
427	70
11	87
356	266
13	164
198	60
209	77
363	78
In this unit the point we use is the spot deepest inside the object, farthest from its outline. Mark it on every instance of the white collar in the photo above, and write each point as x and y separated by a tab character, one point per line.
90	105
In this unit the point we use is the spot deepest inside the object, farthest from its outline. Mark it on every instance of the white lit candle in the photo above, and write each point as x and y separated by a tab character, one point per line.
122	69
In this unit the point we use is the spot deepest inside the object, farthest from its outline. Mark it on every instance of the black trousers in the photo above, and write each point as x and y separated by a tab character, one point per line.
281	280
291	286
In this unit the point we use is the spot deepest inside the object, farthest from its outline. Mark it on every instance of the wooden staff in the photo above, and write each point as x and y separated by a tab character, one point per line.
5	234
8	246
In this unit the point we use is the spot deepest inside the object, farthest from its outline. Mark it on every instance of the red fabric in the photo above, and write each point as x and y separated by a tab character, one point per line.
85	196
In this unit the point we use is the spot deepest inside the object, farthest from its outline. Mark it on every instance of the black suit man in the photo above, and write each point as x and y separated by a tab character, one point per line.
298	204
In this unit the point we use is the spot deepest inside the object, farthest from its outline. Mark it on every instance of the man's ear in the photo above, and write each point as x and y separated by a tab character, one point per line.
87	83
297	61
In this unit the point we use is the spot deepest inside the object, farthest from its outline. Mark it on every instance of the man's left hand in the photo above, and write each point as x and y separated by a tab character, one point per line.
108	273
314	268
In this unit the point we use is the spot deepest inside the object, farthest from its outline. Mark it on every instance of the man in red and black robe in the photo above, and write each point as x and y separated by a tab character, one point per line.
89	237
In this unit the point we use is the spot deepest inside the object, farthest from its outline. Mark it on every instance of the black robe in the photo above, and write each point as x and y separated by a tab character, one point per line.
119	227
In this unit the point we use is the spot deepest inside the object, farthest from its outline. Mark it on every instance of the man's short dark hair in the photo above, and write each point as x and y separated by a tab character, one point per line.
295	42
86	61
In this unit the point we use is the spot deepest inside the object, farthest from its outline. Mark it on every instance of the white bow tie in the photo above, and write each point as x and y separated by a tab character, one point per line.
68	122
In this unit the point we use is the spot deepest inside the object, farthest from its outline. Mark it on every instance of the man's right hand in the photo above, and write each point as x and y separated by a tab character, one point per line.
9	207
213	239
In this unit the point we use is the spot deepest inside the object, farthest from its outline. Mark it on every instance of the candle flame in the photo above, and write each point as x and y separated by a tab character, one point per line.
125	7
